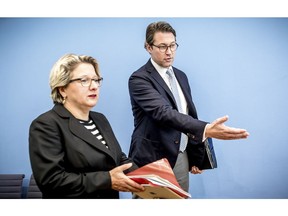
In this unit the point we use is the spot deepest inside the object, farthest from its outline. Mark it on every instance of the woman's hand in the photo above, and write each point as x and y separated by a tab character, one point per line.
121	182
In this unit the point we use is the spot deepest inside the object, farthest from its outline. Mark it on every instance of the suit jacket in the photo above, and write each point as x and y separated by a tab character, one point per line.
68	161
157	123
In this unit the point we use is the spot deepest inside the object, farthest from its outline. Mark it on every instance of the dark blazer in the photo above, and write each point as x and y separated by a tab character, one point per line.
68	161
157	123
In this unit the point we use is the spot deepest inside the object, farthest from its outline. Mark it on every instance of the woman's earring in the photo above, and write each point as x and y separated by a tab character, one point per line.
64	100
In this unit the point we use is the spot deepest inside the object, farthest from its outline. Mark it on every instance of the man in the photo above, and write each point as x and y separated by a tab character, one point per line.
165	118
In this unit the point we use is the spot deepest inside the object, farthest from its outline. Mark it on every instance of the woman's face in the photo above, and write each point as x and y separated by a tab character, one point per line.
78	96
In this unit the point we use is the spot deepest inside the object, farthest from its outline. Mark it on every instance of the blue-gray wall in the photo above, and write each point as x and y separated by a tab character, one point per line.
236	66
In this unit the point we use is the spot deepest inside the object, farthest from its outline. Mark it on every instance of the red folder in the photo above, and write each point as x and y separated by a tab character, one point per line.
159	180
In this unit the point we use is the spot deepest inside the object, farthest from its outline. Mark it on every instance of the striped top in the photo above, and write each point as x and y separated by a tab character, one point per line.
90	125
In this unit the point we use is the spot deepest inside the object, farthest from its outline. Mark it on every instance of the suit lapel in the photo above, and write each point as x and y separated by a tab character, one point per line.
156	76
80	131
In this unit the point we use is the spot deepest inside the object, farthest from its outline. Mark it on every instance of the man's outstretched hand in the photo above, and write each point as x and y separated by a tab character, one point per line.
218	130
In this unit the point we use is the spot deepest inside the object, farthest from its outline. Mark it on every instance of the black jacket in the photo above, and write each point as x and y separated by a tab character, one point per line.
68	161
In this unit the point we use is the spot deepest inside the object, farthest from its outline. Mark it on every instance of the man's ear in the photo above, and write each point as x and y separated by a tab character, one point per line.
148	48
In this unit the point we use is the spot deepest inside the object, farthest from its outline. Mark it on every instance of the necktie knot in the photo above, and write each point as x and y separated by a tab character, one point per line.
169	73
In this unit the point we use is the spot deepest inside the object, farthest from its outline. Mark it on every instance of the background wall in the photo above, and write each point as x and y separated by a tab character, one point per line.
236	66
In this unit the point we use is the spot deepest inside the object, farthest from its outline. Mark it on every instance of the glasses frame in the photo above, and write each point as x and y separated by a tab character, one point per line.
166	47
98	82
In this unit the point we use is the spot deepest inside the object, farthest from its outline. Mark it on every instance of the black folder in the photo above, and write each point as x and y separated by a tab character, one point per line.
210	161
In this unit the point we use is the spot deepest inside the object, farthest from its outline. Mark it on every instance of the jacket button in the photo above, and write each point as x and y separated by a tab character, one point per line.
191	135
176	141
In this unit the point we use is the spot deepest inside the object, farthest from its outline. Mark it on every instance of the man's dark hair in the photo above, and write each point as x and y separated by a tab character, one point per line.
157	27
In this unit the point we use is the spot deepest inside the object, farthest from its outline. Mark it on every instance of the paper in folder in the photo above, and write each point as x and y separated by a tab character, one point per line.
159	181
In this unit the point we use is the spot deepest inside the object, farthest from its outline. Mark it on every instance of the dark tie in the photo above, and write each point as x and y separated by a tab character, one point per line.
181	109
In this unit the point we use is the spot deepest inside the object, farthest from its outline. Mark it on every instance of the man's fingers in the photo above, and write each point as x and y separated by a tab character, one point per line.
196	170
221	120
236	135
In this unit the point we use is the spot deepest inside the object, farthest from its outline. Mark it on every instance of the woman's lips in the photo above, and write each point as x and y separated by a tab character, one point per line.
92	96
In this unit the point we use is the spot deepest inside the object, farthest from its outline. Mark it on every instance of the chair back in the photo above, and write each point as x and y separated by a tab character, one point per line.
11	186
33	189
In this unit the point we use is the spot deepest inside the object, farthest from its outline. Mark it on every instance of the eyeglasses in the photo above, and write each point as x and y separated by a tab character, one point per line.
163	48
85	82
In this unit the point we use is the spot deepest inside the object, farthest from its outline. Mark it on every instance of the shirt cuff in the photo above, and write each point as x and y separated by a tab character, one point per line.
204	137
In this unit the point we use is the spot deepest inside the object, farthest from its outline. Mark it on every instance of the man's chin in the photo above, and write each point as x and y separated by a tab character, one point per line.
167	64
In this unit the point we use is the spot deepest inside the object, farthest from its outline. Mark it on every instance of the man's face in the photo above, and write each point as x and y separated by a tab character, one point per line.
159	51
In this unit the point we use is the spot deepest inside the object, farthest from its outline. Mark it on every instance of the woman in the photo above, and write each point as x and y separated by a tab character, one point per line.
73	150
